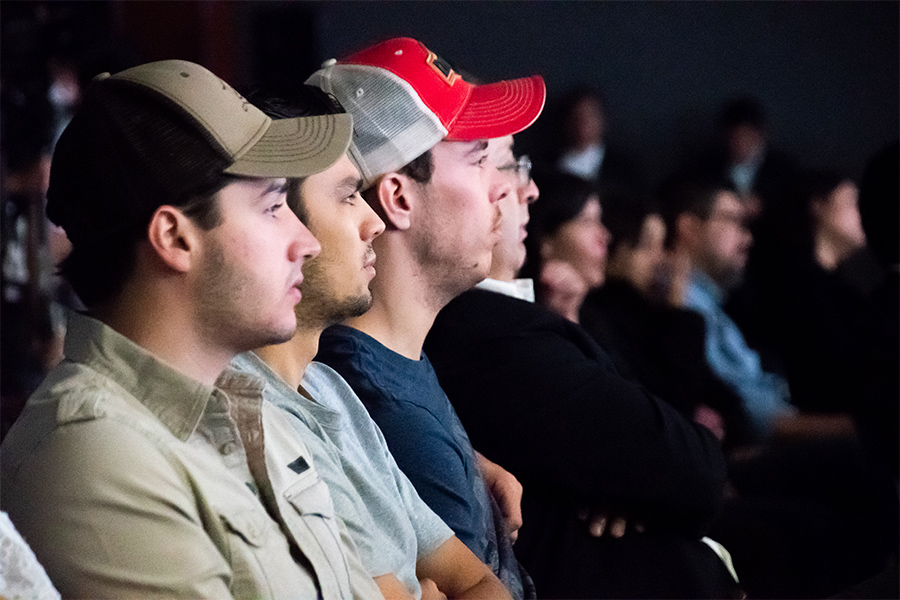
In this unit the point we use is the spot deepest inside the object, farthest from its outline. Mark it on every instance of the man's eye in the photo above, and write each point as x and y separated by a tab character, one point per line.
274	208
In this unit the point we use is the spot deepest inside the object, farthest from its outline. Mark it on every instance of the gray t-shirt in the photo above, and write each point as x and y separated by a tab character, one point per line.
391	525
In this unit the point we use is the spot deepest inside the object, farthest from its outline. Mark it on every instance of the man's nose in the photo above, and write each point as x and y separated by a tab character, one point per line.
304	245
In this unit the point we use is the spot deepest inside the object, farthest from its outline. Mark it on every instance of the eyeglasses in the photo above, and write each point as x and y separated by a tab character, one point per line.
522	168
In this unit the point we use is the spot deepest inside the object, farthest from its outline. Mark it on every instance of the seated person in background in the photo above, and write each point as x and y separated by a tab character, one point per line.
821	304
566	244
587	153
140	467
707	231
400	539
807	475
765	181
535	391
421	145
650	342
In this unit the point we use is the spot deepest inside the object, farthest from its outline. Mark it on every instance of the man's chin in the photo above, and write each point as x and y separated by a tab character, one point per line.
730	281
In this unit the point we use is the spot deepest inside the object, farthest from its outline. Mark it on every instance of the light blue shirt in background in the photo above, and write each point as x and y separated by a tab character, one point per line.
765	395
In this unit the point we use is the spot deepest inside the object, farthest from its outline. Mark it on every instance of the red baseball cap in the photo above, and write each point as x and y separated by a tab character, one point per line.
405	99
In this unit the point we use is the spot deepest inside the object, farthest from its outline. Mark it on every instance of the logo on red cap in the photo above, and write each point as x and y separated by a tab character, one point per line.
442	67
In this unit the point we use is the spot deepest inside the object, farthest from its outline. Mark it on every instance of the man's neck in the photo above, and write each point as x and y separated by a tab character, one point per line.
290	359
405	303
168	331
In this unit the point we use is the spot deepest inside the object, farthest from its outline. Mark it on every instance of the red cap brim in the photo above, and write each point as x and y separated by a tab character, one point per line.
499	109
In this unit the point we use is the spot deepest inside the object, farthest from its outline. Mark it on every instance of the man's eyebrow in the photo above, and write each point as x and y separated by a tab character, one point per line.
351	183
478	146
277	187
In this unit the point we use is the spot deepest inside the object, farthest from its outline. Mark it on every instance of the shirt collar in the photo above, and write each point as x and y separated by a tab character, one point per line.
523	289
176	400
704	284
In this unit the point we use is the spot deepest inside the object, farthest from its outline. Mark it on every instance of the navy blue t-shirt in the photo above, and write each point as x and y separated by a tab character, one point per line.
422	430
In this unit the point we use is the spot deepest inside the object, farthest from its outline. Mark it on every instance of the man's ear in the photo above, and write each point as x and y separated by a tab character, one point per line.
173	237
395	200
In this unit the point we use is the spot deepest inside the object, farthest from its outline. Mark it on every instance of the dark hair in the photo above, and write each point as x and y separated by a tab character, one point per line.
624	214
578	95
745	110
563	197
97	269
290	102
690	194
879	204
121	157
420	168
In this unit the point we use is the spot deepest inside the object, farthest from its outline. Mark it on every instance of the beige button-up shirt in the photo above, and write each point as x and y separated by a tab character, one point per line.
128	478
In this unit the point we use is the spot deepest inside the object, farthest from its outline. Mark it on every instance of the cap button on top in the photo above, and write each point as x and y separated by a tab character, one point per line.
329	62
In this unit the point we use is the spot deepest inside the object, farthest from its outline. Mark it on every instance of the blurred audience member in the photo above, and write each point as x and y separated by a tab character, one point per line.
766	181
586	152
708	232
661	347
809	475
822	294
567	244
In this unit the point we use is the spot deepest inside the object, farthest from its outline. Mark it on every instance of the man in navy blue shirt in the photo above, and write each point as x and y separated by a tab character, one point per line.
421	145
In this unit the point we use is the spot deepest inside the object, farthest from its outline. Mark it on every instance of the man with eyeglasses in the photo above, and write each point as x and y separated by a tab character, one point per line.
708	233
538	395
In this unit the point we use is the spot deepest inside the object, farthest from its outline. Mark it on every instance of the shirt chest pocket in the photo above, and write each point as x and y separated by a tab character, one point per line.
316	527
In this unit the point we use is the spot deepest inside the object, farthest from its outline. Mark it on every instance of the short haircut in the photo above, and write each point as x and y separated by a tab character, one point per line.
578	95
624	213
420	169
744	110
296	101
695	195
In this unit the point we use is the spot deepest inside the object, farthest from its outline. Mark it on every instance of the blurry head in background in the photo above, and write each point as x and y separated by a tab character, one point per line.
566	226
743	126
835	226
583	113
637	249
707	224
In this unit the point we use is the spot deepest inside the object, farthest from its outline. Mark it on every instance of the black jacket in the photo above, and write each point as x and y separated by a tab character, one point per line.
541	398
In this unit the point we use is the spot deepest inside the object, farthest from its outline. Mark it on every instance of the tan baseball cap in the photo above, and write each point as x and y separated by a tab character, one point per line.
157	132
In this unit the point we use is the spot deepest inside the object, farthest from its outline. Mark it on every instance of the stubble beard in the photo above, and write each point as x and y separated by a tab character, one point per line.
320	307
222	312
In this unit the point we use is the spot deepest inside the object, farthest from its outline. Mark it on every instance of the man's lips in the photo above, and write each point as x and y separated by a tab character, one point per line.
295	289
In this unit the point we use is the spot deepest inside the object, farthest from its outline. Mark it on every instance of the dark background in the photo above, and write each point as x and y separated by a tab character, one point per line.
828	73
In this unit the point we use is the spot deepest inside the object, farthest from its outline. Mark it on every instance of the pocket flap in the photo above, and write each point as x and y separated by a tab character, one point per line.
251	526
310	496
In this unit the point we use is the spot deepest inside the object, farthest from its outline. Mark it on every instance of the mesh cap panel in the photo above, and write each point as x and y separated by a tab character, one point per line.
391	125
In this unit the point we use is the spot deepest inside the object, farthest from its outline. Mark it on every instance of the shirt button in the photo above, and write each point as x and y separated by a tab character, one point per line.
228	448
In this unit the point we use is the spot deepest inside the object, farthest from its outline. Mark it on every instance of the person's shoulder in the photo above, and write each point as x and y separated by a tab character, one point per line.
72	398
485	310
